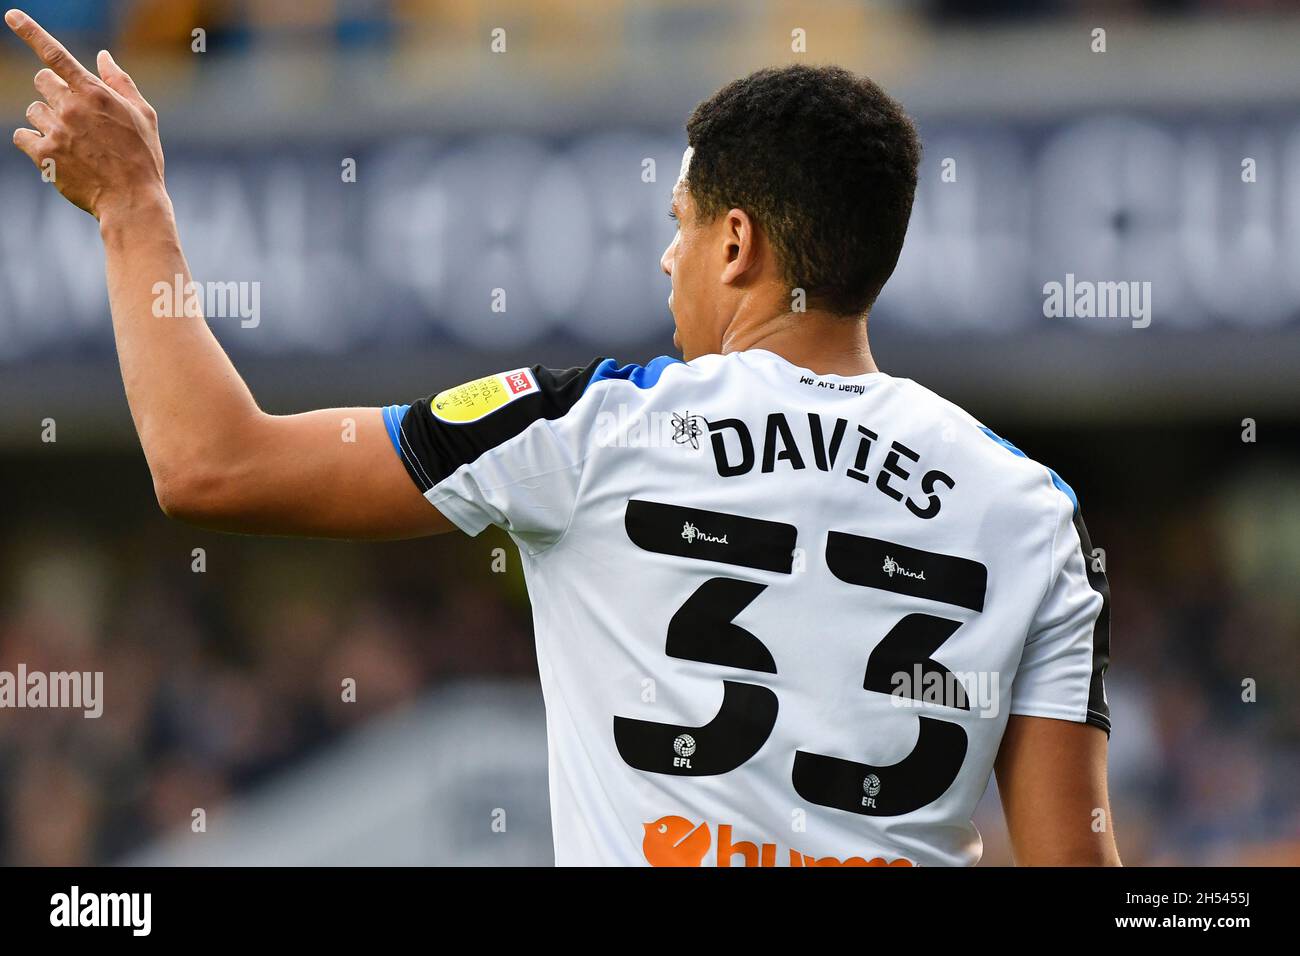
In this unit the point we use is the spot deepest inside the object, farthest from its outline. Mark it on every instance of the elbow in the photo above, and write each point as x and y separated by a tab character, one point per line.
192	494
212	484
173	498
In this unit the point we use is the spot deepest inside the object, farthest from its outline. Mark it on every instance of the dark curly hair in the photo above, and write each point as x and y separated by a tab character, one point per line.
825	162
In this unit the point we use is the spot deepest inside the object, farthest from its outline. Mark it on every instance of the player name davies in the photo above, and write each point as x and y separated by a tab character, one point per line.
894	470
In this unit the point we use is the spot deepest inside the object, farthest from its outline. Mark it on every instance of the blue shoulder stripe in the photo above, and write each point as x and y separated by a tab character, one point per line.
393	415
642	376
1056	479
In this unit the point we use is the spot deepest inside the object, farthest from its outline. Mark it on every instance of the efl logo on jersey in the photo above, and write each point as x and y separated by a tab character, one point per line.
676	841
684	747
871	787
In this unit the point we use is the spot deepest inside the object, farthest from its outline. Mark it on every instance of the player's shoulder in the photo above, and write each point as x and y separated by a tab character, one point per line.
1022	479
660	382
608	372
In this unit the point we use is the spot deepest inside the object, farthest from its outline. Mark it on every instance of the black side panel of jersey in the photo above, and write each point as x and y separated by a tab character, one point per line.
1098	709
439	447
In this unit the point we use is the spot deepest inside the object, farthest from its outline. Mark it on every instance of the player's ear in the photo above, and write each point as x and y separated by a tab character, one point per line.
740	245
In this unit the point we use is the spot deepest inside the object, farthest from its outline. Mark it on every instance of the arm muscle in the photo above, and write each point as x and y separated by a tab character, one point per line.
1052	780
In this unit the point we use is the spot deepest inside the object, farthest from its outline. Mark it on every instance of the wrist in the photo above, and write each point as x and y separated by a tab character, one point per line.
151	207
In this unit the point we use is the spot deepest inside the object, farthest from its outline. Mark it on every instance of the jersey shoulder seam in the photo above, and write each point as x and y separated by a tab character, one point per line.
591	447
541	421
581	465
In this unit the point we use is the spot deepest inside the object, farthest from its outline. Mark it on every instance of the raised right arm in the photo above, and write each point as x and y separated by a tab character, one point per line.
217	460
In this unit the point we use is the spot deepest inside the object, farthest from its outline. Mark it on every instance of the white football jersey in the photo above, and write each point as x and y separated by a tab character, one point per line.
781	617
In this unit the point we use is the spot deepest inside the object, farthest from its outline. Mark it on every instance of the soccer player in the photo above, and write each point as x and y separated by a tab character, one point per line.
789	609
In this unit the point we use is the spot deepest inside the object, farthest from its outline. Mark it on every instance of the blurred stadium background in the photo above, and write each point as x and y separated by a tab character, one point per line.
523	170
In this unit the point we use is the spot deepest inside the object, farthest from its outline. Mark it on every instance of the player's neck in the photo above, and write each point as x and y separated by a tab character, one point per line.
819	341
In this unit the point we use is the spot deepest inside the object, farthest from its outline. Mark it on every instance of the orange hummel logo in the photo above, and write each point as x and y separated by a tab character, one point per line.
676	841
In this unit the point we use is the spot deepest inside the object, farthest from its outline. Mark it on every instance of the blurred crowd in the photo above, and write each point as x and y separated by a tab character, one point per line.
1205	748
218	679
234	24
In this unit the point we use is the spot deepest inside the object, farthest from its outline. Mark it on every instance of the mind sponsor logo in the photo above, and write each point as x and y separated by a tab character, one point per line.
691	534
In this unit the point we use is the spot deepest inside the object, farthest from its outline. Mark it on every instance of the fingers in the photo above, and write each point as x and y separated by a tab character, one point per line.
29	141
52	53
50	86
41	116
120	82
